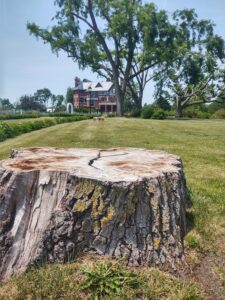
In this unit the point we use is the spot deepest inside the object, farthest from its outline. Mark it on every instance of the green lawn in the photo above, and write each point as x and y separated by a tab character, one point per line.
200	144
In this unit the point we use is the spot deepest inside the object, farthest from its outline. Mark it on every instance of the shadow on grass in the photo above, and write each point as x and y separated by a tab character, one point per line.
190	216
198	216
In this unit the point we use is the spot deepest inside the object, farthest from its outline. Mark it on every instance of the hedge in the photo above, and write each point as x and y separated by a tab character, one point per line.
20	116
8	130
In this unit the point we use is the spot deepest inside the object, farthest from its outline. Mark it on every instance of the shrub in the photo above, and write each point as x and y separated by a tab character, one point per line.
147	111
159	114
20	116
112	115
135	113
219	114
8	130
192	112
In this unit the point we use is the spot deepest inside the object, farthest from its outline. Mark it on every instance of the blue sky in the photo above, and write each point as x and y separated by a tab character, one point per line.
26	64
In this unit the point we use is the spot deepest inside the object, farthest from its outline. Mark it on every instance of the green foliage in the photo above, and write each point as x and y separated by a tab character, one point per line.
162	103
60	108
58	102
195	73
108	279
9	130
147	111
48	282
112	115
67	282
193	242
20	116
42	96
5	104
135	113
69	95
159	114
219	114
84	110
192	112
29	102
218	104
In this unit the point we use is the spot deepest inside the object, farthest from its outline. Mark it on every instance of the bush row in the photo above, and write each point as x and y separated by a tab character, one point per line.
219	114
152	112
10	130
149	112
31	115
20	116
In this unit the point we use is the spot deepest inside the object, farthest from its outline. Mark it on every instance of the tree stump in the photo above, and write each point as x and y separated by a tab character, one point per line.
56	203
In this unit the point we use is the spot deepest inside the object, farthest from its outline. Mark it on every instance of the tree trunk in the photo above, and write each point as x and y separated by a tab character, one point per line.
119	96
137	96
179	108
56	203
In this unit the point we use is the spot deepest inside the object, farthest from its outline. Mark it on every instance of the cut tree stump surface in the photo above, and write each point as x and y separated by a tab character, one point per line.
57	203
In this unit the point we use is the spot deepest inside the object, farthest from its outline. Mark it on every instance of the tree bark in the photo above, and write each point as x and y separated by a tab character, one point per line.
56	203
119	96
179	108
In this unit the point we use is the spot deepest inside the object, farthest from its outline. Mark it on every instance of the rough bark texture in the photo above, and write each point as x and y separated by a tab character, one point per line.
57	203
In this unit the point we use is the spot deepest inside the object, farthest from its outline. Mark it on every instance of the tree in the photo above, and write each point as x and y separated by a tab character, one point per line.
162	100
27	102
216	105
195	75
57	101
69	95
43	96
5	104
154	51
112	37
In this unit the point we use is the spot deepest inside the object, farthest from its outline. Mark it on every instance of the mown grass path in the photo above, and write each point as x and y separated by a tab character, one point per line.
200	144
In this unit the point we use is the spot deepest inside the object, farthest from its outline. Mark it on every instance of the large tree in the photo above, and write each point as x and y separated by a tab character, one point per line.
28	102
155	50
5	104
69	95
43	96
195	75
57	101
111	37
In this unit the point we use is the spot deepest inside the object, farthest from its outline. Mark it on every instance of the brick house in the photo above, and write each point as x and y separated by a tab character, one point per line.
98	95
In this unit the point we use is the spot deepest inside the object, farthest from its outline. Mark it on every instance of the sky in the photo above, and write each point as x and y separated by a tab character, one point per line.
26	64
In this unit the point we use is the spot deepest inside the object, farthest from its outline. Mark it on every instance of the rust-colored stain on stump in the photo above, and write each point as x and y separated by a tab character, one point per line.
39	162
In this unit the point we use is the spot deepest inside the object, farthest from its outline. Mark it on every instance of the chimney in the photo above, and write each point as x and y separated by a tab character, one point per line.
77	81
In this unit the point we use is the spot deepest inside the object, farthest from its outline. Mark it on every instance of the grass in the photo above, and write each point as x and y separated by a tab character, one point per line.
200	144
81	280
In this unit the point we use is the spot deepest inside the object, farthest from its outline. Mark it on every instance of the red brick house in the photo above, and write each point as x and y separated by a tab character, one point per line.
98	95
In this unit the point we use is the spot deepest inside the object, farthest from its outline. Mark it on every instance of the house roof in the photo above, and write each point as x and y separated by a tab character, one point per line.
101	86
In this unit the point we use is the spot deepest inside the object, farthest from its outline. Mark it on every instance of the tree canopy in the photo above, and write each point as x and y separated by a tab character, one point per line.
119	40
131	43
29	102
5	104
195	75
69	95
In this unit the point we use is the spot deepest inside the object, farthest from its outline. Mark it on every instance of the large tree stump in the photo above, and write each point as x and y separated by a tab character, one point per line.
57	203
